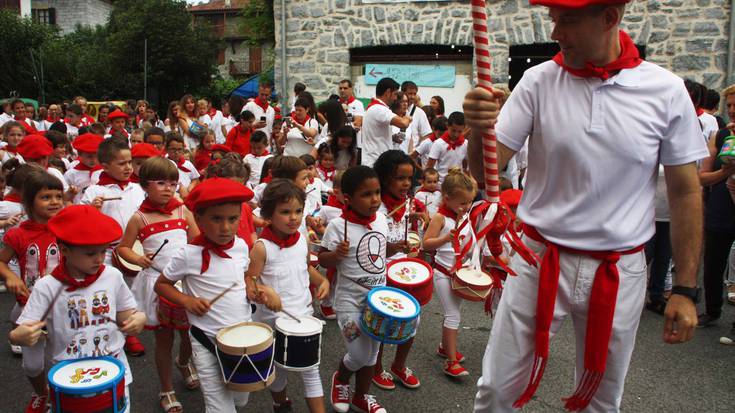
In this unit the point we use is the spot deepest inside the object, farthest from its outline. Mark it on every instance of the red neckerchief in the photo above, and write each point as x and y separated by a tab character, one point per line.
376	101
30	129
268	178
263	105
452	145
82	167
327	173
293	118
628	58
13	150
122	131
51	120
209	246
332	201
134	178
180	165
265	153
12	197
600	314
63	276
444	210
700	111
138	118
212	113
282	243
311	180
348	101
391	203
168	209
106	179
351	216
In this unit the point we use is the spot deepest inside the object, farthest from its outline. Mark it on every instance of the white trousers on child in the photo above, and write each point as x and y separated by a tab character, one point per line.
450	301
217	397
362	350
311	379
506	366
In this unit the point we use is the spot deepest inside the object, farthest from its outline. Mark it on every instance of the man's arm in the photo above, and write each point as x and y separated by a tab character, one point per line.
685	203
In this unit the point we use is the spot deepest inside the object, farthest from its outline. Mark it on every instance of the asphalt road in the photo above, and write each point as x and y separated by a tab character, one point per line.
692	377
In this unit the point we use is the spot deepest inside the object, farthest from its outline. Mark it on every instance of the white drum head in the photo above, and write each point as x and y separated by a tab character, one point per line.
394	303
474	277
85	374
408	272
244	336
307	327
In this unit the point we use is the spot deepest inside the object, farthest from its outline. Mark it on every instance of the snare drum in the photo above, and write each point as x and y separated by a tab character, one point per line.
171	315
126	268
87	385
390	316
412	276
245	353
471	284
414	242
298	344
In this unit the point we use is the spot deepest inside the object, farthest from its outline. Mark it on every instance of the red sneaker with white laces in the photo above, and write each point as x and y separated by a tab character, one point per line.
367	404
133	346
384	380
454	369
328	313
406	377
37	404
441	353
340	395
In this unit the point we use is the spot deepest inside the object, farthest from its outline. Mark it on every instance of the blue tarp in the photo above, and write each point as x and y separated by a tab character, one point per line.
249	88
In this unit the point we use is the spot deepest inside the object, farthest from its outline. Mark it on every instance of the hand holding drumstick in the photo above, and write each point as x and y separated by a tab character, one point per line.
263	294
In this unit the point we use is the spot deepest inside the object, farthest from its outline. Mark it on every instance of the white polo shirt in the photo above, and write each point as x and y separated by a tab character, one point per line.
376	133
420	126
709	125
270	115
355	108
446	158
596	149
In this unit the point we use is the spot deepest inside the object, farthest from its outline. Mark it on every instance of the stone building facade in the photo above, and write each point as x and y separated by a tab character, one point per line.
688	37
70	13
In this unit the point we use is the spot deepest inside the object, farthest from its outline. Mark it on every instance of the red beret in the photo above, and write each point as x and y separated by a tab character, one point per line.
215	191
144	150
575	4
117	113
88	142
511	197
220	147
35	147
84	225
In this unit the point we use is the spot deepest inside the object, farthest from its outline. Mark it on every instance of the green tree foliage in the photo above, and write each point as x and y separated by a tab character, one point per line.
257	22
19	38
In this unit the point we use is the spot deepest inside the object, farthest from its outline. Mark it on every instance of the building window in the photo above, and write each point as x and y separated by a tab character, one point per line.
221	56
256	59
44	16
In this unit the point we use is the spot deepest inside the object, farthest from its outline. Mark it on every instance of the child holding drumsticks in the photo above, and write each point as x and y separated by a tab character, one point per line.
280	260
458	191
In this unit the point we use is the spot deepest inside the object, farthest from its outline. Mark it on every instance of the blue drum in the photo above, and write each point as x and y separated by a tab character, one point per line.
245	353
90	385
391	315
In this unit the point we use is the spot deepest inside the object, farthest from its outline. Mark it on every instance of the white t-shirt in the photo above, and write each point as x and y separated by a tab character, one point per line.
256	167
364	268
445	255
432	200
313	196
5	118
356	108
597	145
328	213
258	192
420	125
423	149
396	228
72	131
228	122
185	178
83	322
216	126
446	158
376	133
233	307
205	120
57	174
120	209
407	145
269	114
80	179
296	144
709	125
662	197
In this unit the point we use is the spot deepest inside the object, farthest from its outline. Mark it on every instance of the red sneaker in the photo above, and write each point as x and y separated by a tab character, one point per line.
406	377
133	346
384	380
37	404
454	369
367	404
441	353
340	395
328	313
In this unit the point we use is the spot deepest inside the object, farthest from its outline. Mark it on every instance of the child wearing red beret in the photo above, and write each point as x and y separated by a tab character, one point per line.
140	153
84	305
85	169
118	120
37	149
212	263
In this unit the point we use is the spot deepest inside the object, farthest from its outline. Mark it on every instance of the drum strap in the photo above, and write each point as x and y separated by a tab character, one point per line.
202	338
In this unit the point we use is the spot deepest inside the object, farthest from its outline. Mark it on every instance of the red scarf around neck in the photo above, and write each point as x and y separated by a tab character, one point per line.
106	179
306	119
13	150
12	197
700	111
263	105
282	243
376	101
628	58
212	113
180	164
80	166
61	274
148	206
348	101
452	145
327	173
444	210
391	203
121	131
209	247
355	218
332	201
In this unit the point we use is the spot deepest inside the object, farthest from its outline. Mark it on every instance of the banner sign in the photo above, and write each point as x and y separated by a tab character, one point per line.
422	75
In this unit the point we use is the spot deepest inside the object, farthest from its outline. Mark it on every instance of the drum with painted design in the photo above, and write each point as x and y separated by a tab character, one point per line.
87	385
413	276
390	316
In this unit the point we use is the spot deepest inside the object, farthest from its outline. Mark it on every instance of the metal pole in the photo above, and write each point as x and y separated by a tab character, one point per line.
145	69
43	91
284	66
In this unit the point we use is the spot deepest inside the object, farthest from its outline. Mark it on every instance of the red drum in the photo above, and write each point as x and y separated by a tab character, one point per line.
471	284
171	315
126	268
414	242
412	276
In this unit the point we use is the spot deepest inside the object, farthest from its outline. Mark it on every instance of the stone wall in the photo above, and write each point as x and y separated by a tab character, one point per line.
688	37
70	13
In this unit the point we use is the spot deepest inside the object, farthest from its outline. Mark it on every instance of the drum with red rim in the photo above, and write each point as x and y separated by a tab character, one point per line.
471	284
413	276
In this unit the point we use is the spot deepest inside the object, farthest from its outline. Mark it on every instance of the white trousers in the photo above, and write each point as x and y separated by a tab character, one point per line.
451	302
311	379
217	397
362	350
506	366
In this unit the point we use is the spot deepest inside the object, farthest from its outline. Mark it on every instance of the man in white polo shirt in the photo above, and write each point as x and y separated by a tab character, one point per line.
420	127
376	133
262	109
597	131
355	109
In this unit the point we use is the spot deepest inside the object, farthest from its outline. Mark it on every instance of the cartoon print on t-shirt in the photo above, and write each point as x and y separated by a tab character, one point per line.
370	252
72	349
97	341
83	316
72	312
52	257
32	264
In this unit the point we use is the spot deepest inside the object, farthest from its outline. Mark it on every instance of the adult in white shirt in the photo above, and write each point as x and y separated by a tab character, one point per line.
355	108
420	126
227	122
401	136
263	111
299	130
376	132
598	134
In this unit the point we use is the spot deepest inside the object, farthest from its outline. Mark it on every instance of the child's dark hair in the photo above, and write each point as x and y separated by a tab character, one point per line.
16	173
286	167
157	169
173	137
440	124
229	167
259	136
387	165
430	172
98	129
354	177
75	109
58	164
153	131
279	191
455	119
57	138
109	148
36	181
266	170
323	149
247	115
308	159
347	131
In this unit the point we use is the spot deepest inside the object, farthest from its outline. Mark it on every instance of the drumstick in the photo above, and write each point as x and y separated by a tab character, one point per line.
405	234
51	306
255	282
345	229
397	208
290	315
218	296
114	198
159	249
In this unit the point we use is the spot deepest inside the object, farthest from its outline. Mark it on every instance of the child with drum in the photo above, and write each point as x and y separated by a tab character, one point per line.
162	225
279	259
458	191
34	246
329	211
395	171
356	245
212	269
74	287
